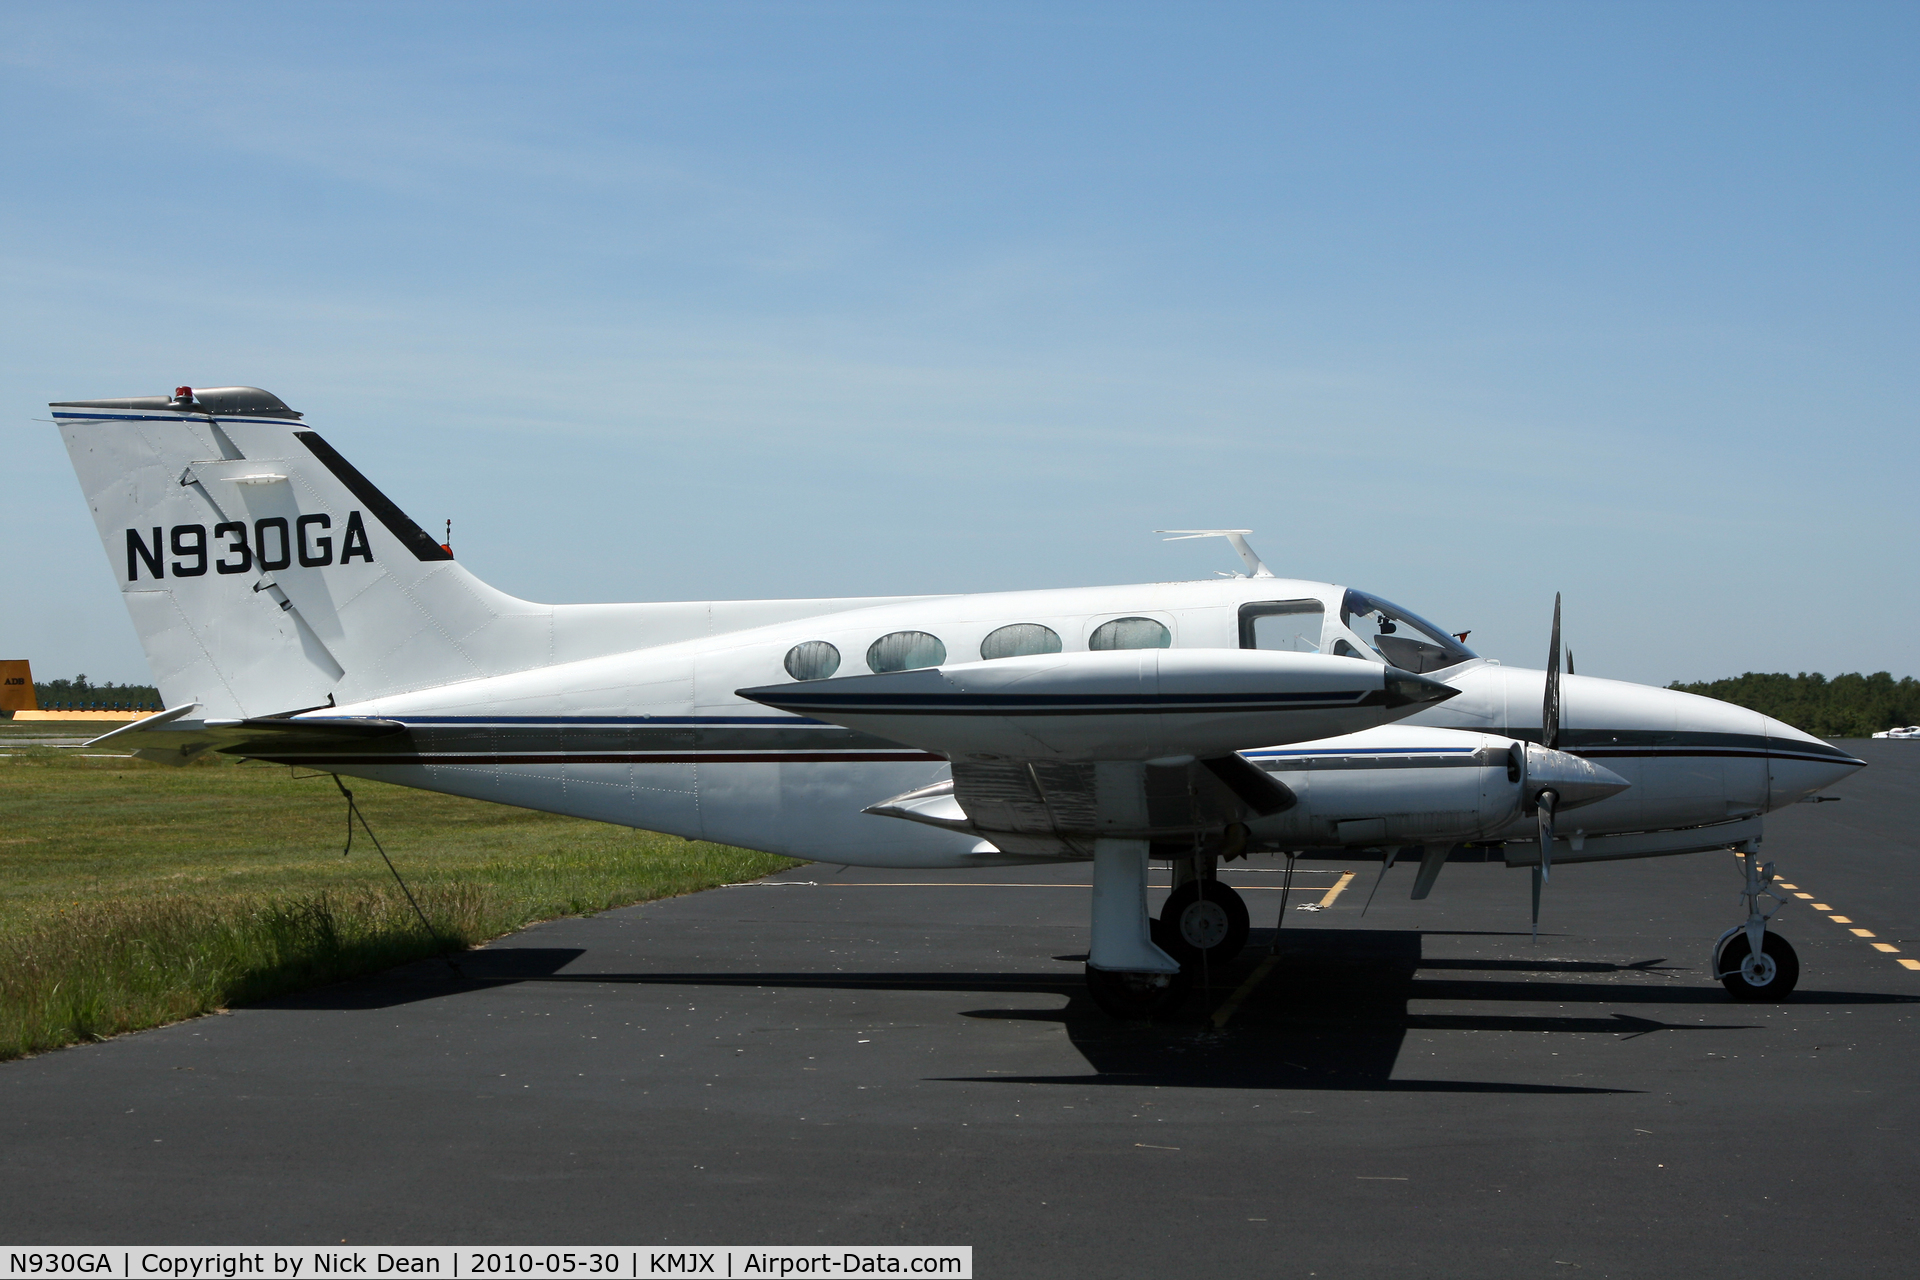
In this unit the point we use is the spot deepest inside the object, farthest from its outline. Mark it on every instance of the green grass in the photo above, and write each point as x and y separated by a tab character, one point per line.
134	894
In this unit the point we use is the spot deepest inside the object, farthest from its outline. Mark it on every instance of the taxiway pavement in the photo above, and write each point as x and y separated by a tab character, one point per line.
861	1057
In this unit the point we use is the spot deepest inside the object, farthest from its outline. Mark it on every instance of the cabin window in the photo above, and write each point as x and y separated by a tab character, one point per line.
1131	633
1291	626
812	660
905	651
1019	640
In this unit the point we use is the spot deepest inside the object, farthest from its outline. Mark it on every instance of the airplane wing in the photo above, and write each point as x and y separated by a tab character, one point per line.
1062	749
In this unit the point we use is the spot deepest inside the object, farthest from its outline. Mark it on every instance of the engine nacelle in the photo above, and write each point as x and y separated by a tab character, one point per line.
1409	785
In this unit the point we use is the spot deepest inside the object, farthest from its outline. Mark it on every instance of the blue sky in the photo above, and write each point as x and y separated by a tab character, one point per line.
1460	304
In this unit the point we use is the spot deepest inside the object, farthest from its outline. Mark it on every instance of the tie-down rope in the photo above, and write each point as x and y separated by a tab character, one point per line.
353	811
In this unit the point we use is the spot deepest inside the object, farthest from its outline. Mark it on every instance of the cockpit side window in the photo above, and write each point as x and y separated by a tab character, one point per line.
1292	626
1402	639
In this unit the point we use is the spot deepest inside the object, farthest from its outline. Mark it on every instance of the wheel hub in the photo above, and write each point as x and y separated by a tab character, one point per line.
1758	970
1204	925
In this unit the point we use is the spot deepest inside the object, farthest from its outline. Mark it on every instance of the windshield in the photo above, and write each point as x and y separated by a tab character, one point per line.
1403	639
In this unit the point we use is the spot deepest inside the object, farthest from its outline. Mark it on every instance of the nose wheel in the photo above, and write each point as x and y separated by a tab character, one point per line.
1750	962
1771	975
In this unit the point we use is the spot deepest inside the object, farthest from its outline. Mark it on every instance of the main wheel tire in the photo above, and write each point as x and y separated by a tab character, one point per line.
1751	981
1203	919
1134	996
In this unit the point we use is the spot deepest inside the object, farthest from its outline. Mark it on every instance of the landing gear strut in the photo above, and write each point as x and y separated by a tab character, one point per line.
1750	962
1127	975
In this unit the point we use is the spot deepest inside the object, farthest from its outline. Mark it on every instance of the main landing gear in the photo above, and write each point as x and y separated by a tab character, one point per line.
1750	962
1144	968
1127	975
1203	923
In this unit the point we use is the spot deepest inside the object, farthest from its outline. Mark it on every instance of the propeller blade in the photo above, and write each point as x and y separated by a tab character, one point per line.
1536	904
1543	811
1550	711
1550	739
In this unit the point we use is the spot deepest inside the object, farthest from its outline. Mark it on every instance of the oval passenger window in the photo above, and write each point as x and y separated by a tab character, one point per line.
812	660
1131	633
1019	640
905	651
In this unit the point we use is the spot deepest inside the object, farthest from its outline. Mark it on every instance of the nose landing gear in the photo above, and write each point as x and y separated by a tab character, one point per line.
1750	962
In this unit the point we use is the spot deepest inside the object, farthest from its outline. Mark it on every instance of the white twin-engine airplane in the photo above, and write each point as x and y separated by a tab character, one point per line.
292	613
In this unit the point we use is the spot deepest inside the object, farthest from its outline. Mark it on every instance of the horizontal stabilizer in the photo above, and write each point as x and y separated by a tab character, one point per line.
171	737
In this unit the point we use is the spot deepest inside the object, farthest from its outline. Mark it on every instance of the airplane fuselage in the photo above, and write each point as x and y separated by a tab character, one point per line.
657	738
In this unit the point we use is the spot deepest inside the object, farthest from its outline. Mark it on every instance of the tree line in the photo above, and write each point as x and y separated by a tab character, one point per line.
1847	706
79	695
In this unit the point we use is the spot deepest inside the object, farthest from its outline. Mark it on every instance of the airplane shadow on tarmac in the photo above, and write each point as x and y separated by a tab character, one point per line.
1330	1013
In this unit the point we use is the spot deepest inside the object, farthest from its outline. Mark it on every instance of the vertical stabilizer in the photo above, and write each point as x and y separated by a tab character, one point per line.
264	573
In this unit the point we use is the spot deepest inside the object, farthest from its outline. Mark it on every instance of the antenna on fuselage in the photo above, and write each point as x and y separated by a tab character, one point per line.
1237	537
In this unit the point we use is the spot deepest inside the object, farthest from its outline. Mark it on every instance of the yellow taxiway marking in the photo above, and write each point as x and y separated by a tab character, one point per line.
1335	892
1885	948
1298	888
1259	975
1245	989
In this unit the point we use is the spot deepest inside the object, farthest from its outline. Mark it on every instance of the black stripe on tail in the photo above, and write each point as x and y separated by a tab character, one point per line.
411	535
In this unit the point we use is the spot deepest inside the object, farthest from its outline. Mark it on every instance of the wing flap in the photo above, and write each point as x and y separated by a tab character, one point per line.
1063	799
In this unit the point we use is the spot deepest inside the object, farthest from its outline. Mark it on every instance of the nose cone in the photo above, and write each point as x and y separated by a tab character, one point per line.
1799	764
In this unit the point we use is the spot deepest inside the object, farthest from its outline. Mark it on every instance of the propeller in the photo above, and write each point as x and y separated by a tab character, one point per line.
1544	803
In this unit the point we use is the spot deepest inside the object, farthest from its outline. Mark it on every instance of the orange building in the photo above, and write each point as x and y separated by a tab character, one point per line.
16	687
